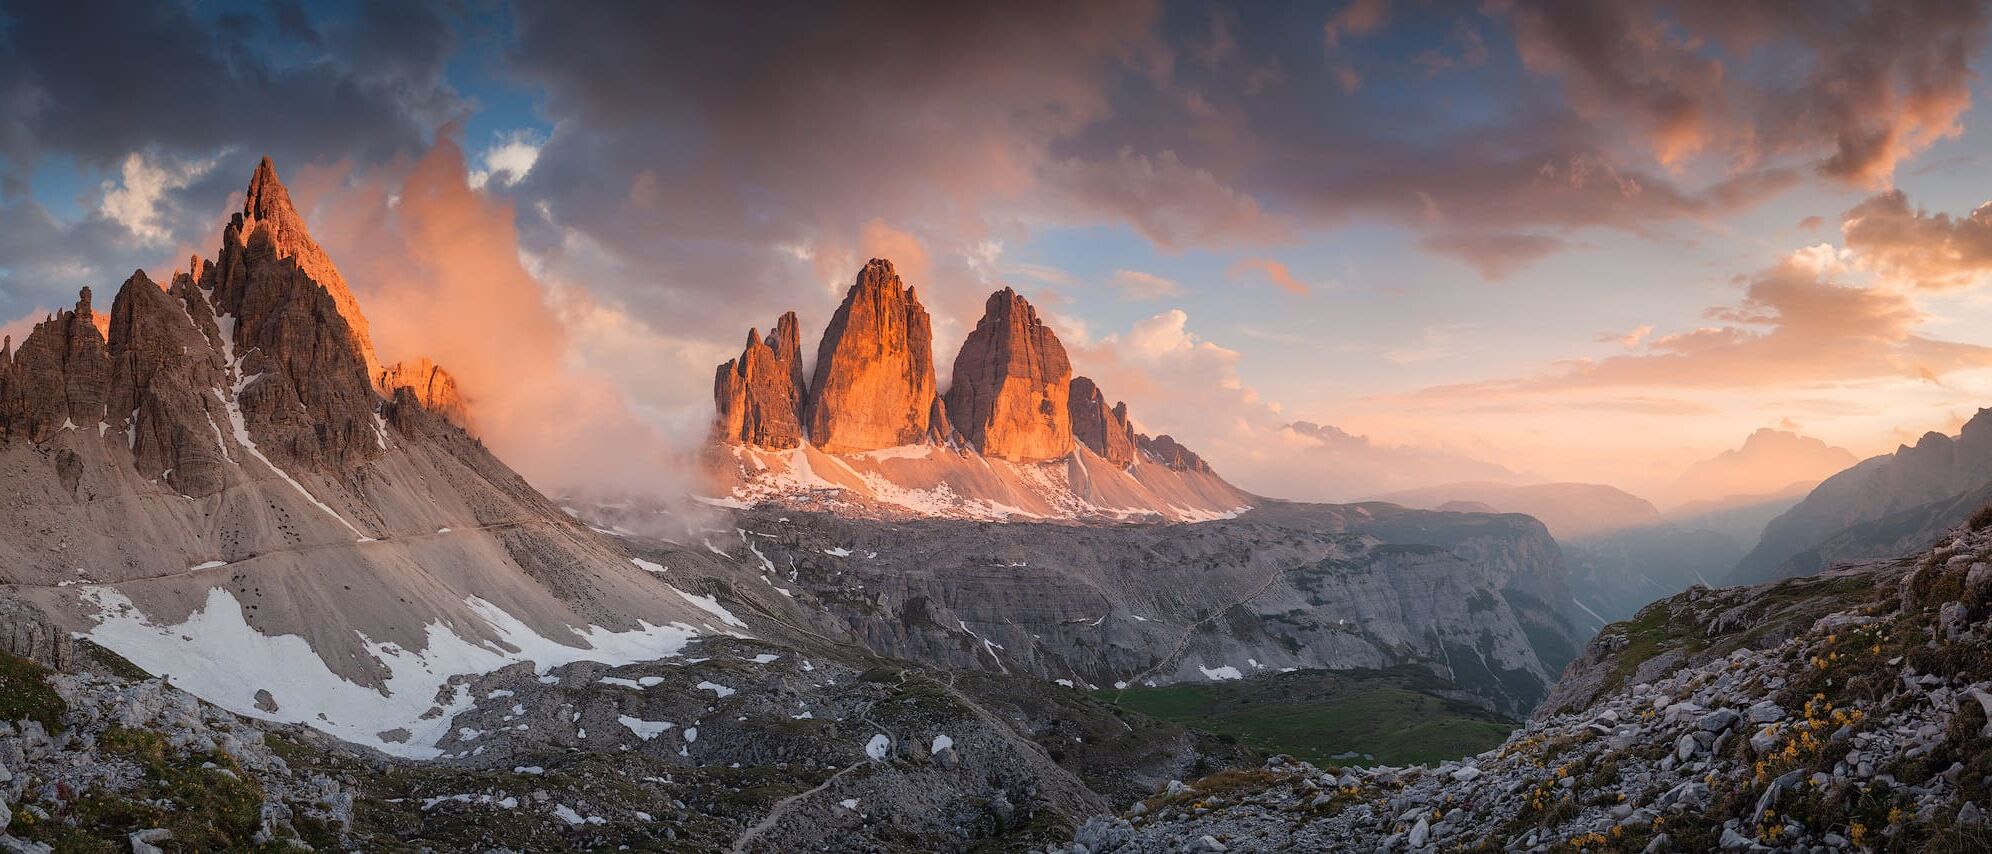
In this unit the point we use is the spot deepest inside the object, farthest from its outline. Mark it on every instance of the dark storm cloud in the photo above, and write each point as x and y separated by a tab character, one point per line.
691	139
1855	87
200	90
96	84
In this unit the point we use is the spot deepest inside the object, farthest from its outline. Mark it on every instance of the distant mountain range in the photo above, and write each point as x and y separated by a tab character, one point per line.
1882	506
1769	462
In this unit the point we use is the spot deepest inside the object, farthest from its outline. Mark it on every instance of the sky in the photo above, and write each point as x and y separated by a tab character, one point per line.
1337	248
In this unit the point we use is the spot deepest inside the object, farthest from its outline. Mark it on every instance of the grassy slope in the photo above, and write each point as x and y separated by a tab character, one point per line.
1317	715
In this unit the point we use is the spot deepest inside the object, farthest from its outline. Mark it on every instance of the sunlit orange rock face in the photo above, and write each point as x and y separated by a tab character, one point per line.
1099	427
874	383
760	395
286	315
1011	383
432	386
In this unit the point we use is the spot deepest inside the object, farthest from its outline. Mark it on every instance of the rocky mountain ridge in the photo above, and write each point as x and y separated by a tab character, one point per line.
1842	712
1016	436
223	488
1935	472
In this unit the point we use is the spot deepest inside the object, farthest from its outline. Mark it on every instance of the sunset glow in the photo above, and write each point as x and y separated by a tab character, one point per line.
1526	241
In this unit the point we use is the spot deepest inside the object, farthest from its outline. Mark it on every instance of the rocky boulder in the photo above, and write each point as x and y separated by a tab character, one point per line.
1105	430
1011	384
874	383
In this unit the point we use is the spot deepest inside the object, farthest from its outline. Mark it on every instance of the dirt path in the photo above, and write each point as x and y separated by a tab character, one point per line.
774	816
1191	631
305	549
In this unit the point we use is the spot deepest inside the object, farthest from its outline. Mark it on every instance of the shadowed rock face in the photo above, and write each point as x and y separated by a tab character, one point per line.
758	395
1011	383
874	383
266	207
1167	451
786	341
58	376
432	386
162	368
295	330
1105	430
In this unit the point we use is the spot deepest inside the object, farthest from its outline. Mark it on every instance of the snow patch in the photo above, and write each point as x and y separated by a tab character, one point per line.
711	606
219	657
645	730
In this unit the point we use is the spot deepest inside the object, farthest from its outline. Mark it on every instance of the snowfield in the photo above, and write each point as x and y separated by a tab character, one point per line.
218	656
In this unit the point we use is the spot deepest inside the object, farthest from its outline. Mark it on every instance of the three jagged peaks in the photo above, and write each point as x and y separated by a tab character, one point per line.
1013	396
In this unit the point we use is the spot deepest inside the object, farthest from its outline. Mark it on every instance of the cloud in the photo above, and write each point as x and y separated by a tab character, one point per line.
1169	202
509	158
1796	324
1177	381
1495	255
1919	248
133	201
186	81
1357	18
1630	339
1274	271
439	274
1137	285
1856	87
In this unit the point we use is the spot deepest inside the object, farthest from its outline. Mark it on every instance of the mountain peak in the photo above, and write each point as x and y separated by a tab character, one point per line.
874	383
268	213
267	198
759	395
1012	384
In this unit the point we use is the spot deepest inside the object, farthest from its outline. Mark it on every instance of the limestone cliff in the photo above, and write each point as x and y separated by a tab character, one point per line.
756	394
1011	384
1166	450
874	384
294	336
432	386
1105	430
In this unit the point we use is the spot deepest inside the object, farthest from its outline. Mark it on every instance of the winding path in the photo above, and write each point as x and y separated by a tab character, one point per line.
1191	631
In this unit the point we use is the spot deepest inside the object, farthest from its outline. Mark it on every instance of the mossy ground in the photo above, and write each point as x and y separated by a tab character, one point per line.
1323	716
25	693
203	799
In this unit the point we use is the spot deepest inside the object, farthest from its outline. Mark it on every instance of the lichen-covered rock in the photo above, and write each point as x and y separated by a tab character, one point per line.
1011	383
1099	427
874	383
